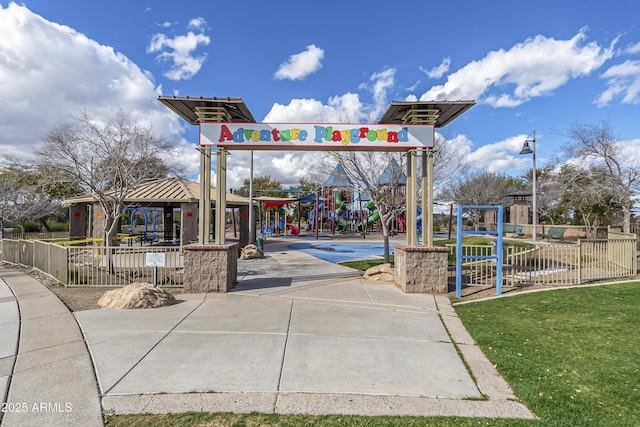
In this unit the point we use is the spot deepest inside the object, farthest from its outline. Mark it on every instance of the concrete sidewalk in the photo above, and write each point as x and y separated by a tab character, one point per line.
46	377
297	335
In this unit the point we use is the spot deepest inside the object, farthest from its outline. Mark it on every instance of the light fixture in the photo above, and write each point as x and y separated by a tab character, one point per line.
526	149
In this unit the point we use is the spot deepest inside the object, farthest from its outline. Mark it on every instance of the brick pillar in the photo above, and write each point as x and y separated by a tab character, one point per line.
210	267
99	221
490	219
421	269
519	213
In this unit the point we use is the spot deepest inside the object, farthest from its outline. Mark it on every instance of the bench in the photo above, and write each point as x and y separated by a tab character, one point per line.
554	233
515	230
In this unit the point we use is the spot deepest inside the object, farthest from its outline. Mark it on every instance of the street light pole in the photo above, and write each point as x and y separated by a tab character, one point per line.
252	216
527	150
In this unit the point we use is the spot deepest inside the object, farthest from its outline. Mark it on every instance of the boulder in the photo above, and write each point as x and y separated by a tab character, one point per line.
382	273
136	295
251	251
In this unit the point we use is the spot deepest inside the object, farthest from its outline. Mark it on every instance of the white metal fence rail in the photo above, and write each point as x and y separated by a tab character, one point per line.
553	264
542	264
95	265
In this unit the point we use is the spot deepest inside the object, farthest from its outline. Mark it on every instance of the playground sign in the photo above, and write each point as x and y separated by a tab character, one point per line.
310	136
153	259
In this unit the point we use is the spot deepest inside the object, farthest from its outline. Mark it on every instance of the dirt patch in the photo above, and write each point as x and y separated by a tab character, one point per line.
86	298
75	298
471	293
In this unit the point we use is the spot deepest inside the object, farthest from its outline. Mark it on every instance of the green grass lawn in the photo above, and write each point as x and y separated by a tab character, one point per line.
572	356
471	240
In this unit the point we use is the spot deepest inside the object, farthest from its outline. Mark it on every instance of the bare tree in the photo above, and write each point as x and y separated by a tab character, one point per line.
106	160
449	164
24	196
549	193
371	172
483	188
596	147
587	194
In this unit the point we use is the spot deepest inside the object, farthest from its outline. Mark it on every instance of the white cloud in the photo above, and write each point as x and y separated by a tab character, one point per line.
381	83
300	65
621	79
344	108
635	48
501	156
197	24
285	167
49	72
439	71
530	69
630	152
179	51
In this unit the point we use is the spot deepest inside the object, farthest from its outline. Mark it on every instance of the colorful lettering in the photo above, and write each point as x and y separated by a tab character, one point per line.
332	133
225	134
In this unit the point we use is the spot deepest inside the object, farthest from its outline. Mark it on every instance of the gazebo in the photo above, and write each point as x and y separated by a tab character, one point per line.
86	217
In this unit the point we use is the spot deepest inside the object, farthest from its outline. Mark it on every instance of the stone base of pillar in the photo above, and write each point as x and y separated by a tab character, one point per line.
421	269
210	268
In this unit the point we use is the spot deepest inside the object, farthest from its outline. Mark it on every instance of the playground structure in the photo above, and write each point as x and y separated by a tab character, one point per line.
342	205
278	224
153	216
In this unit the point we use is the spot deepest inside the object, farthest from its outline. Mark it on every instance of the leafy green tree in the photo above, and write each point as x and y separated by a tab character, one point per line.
261	187
306	187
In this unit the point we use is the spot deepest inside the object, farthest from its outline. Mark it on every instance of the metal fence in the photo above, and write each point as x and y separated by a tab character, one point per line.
539	264
553	264
120	266
96	265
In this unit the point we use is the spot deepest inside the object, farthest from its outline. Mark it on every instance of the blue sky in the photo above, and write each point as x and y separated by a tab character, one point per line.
542	65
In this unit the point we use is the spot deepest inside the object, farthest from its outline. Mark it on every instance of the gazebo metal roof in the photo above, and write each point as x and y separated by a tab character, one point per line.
166	191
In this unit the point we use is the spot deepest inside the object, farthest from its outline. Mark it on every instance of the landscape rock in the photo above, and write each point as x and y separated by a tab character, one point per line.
251	251
136	295
381	273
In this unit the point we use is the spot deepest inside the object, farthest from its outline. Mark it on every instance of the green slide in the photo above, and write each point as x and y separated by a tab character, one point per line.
373	218
341	224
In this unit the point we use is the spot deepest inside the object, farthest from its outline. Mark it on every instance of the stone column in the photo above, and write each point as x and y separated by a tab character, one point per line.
99	221
490	220
421	269
210	268
519	213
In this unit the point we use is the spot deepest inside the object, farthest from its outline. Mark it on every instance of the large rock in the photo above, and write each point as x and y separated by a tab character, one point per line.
382	273
136	295
251	251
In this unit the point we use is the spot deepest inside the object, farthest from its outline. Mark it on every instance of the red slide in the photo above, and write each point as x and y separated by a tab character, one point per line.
294	231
